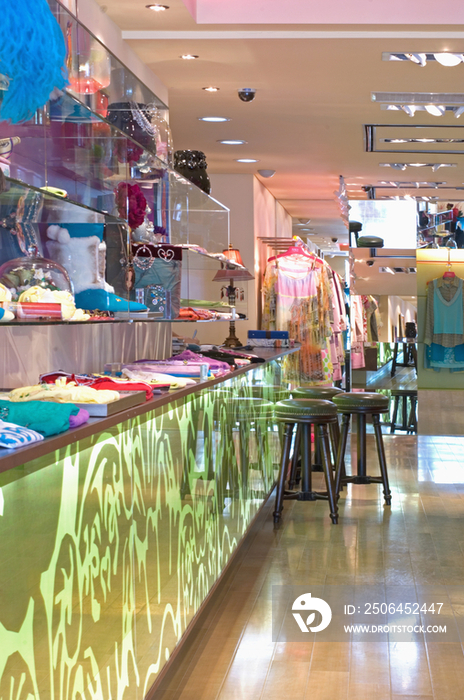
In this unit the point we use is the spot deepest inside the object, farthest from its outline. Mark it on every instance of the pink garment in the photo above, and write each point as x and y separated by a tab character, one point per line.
81	418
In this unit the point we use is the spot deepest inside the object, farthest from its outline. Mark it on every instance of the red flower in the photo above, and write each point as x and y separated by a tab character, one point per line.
131	204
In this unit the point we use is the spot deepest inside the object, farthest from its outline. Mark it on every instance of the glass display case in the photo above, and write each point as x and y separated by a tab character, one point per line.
89	185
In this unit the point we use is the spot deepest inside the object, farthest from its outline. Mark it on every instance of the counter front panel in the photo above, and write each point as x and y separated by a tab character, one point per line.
110	545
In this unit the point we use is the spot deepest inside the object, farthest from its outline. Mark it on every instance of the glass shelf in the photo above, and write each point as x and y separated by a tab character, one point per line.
119	189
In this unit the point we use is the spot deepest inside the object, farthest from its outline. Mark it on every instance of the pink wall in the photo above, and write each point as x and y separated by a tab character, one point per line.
191	6
329	12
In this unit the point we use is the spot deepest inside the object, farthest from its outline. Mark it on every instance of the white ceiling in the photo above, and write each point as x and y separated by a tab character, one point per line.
313	99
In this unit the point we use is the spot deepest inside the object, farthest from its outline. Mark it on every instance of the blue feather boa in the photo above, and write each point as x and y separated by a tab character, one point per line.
32	55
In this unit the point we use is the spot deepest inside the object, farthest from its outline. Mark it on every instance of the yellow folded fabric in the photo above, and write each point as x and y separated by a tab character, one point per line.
63	393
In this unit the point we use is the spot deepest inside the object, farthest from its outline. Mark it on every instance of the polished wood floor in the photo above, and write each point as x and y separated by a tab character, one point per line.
230	654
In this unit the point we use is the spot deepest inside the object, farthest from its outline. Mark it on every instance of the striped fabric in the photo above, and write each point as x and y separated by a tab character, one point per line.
12	436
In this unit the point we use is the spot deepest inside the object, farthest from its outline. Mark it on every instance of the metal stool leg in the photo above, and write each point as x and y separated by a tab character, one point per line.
412	420
334	435
327	466
306	485
382	460
283	471
317	464
395	414
361	439
295	458
404	424
340	464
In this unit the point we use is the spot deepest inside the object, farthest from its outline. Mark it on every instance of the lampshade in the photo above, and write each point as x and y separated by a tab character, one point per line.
232	274
228	273
233	254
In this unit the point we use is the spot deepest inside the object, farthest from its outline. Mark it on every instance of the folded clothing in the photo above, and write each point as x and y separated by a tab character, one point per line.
188	314
193	357
204	304
98	382
122	385
63	392
42	416
148	375
13	436
81	418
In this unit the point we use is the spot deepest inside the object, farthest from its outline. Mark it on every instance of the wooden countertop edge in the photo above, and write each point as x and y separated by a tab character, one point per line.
22	455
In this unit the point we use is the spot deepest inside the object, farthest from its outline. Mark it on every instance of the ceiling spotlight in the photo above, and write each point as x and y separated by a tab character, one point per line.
157	8
232	142
448	59
213	119
247	160
458	112
419	58
304	221
435	110
189	56
211	89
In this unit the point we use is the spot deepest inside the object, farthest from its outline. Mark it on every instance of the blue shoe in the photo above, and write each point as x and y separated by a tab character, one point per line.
92	299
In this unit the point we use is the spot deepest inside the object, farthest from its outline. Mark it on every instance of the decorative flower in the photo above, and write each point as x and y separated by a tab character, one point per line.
131	204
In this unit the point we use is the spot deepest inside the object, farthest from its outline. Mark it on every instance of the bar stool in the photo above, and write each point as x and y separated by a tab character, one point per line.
325	393
409	417
362	404
304	413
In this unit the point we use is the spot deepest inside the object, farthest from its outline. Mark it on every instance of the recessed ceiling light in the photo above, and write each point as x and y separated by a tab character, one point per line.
247	160
157	8
214	119
211	88
435	110
448	59
232	142
189	56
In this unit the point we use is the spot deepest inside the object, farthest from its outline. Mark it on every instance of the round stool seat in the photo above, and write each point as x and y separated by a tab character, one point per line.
404	392
369	242
314	392
305	411
355	226
361	402
271	393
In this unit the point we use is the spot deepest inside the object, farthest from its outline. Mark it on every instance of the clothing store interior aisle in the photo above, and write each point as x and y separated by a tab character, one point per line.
419	541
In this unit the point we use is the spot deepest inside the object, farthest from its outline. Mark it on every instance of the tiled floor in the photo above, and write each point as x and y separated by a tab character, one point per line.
420	540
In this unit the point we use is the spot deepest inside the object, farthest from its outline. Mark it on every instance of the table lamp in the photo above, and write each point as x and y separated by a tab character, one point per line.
232	274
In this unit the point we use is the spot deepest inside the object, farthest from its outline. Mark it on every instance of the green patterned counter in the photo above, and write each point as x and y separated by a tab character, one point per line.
109	545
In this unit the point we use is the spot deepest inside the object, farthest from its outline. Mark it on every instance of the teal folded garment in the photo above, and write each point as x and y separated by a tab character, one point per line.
43	416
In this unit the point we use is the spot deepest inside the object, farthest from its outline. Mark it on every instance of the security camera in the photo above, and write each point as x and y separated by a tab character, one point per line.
247	94
369	262
334	240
